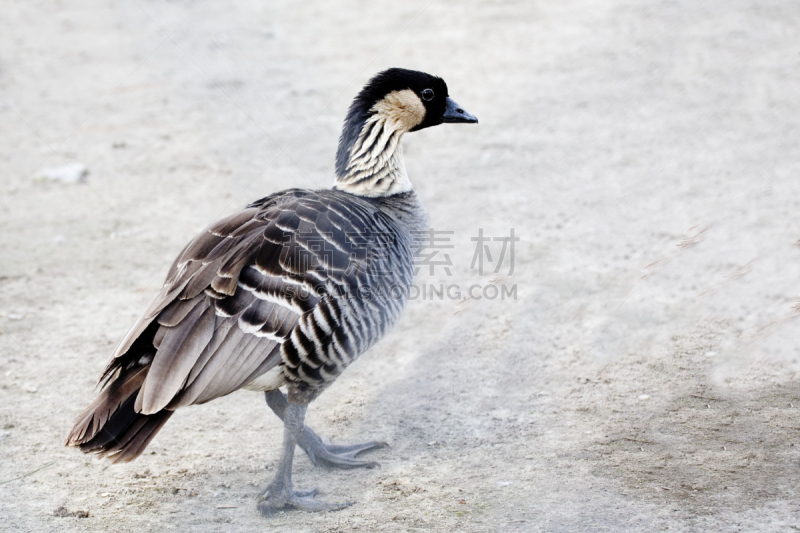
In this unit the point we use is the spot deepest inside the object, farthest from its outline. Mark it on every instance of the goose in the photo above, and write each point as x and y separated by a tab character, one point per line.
286	293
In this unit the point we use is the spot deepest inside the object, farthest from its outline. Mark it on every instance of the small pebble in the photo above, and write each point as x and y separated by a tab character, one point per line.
711	354
30	388
63	512
15	316
71	173
644	396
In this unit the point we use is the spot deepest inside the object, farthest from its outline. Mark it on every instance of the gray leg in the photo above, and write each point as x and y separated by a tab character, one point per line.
279	494
339	455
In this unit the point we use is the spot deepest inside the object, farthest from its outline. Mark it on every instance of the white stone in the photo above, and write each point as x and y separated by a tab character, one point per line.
69	173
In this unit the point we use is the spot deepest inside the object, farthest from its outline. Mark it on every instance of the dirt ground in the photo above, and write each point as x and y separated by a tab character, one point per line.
645	153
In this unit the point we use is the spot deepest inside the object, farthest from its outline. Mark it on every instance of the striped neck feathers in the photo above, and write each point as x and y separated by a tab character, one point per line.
369	161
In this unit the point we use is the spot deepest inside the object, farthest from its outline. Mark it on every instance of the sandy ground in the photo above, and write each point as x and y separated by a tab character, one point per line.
645	153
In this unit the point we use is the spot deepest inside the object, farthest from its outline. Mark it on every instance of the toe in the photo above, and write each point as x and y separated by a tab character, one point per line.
269	507
273	504
355	449
313	491
310	506
343	461
344	455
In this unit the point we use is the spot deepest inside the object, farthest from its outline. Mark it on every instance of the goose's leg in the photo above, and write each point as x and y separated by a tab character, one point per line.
279	494
339	455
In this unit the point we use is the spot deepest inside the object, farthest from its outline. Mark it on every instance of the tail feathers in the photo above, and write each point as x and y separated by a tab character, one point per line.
111	427
126	434
94	417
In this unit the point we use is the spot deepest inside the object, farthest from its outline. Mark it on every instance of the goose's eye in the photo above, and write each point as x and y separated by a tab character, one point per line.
427	95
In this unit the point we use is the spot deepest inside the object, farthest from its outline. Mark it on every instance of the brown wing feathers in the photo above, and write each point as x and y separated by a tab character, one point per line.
175	358
169	347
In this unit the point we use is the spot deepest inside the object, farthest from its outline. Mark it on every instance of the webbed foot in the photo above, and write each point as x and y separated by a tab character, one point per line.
273	501
336	455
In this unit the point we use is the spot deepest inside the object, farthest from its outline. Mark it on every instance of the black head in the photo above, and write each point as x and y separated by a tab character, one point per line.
413	100
431	91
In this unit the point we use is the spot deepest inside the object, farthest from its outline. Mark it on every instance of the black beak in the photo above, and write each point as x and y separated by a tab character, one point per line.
455	113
